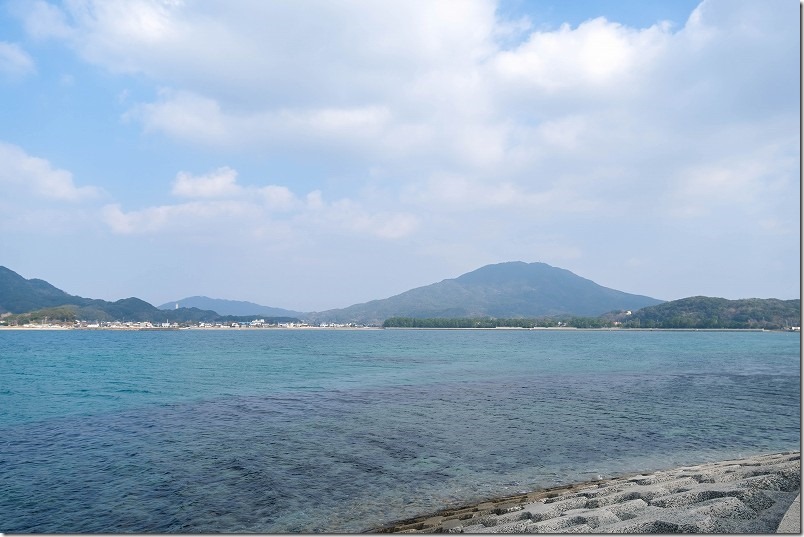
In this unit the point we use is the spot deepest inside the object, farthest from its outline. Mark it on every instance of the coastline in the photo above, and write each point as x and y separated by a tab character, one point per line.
607	329
361	328
185	328
749	495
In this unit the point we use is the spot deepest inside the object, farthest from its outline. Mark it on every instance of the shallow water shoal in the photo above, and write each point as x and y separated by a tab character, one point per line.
340	431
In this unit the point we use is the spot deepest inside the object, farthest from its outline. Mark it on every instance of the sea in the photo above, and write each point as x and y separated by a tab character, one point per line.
274	431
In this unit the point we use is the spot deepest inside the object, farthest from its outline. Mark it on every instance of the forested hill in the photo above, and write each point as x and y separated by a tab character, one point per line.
514	290
711	312
34	300
507	295
19	295
698	312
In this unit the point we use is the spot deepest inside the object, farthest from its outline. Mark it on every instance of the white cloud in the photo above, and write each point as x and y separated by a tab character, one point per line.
350	216
600	120
340	121
393	226
278	198
398	80
217	184
14	61
315	200
273	49
221	184
747	185
243	75
188	116
37	176
38	198
444	93
198	216
185	116
595	56
42	20
451	193
401	117
219	219
133	222
220	205
564	133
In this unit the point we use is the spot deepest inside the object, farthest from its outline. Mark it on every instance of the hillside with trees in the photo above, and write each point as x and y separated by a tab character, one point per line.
24	301
698	312
507	295
19	295
503	290
712	312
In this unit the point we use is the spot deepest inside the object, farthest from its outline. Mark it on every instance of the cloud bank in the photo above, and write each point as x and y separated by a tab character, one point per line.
451	126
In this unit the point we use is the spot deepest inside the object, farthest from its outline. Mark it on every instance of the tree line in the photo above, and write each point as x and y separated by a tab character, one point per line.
491	322
686	313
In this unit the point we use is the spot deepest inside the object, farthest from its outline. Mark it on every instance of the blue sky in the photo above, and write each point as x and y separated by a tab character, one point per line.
314	154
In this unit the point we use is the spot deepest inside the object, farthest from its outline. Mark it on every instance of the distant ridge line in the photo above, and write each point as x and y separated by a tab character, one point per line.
510	289
229	307
505	291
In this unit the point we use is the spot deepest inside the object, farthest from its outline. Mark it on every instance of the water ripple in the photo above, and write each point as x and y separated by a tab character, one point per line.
341	458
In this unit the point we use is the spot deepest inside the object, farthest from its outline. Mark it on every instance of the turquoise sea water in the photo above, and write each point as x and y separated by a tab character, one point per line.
339	431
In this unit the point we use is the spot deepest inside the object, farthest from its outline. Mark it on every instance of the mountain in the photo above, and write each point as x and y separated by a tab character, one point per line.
229	307
712	312
18	295
21	296
510	290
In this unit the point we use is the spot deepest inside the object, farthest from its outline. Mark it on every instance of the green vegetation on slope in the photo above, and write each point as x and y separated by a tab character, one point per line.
504	295
491	322
711	312
18	295
503	290
692	313
33	301
115	311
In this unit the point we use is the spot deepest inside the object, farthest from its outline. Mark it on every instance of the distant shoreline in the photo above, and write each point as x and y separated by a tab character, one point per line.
358	328
614	329
184	329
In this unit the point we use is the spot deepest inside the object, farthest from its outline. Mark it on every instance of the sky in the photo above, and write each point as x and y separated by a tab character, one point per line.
314	154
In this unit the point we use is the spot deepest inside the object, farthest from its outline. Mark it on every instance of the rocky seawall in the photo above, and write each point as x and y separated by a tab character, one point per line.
754	495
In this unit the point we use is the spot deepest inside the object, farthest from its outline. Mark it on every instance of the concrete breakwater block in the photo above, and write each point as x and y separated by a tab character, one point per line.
751	495
791	522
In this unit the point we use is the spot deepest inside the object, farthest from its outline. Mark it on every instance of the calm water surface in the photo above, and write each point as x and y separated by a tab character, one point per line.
338	431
